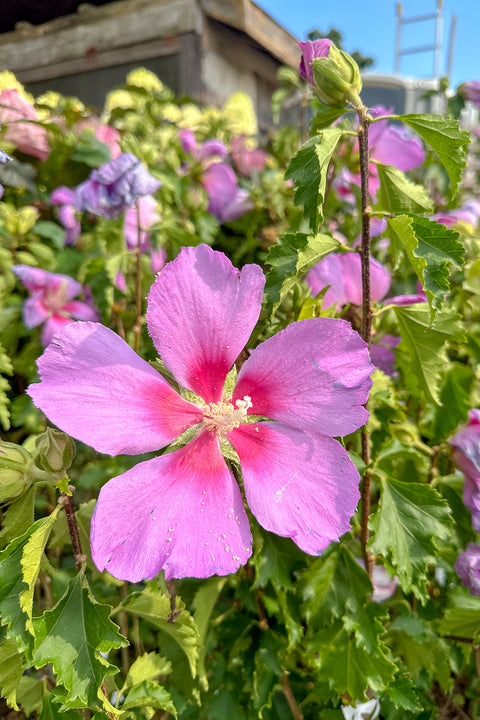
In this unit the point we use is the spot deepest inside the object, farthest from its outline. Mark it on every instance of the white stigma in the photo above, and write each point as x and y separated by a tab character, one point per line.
222	417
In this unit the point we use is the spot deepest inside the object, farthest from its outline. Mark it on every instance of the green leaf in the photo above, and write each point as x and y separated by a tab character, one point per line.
71	636
91	151
6	367
204	602
423	357
51	711
51	231
154	606
431	249
446	140
224	705
398	195
326	115
149	694
352	669
409	519
267	672
31	558
18	517
291	258
454	397
401	693
11	671
146	667
425	655
308	169
367	622
30	694
330	584
463	618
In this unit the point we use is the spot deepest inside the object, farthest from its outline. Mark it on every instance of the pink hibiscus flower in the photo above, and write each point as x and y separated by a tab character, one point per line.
52	301
183	511
16	113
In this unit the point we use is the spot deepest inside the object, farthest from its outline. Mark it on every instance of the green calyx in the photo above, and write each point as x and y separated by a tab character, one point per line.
337	78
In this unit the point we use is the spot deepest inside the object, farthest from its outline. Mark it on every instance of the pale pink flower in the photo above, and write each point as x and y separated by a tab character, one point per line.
467	567
183	511
16	113
51	300
466	453
247	161
65	197
148	215
107	134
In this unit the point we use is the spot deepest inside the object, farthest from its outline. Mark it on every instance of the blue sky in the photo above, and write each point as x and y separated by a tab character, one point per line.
369	27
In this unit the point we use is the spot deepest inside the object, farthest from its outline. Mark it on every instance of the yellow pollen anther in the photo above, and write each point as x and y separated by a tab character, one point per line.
222	417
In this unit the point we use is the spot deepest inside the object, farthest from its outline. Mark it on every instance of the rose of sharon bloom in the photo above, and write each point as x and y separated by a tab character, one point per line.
363	711
466	453
343	273
312	49
226	200
467	567
471	91
29	138
247	161
148	216
183	511
51	301
65	197
113	188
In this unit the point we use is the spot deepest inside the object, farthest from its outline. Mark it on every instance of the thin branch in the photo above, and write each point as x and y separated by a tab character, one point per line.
80	557
366	323
292	703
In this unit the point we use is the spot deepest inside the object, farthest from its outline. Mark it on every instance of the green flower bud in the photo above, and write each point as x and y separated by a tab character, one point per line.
55	451
337	78
15	463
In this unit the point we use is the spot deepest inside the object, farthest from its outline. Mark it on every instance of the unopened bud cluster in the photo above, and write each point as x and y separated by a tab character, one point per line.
333	74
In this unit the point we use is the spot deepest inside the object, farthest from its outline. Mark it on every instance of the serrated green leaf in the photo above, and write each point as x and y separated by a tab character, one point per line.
11	671
30	694
6	367
445	138
204	602
462	618
398	195
410	518
326	115
31	558
224	705
146	667
11	586
51	711
267	671
149	694
308	169
367	622
71	636
401	693
352	669
291	258
330	584
454	397
154	606
423	357
18	517
431	249
425	659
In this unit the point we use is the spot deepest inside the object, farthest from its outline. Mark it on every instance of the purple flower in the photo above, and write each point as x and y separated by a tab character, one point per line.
467	568
51	300
466	453
114	187
149	215
226	200
471	91
208	149
342	272
183	511
312	49
469	213
4	158
247	161
382	355
65	197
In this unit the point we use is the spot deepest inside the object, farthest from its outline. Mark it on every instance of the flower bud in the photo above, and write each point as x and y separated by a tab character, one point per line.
333	73
55	451
15	464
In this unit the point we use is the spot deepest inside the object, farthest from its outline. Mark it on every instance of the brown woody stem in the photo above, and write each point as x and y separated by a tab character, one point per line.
366	322
67	502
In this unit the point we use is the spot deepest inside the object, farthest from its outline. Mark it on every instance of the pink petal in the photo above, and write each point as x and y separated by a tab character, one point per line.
201	312
398	148
343	273
34	311
80	310
182	512
297	485
37	279
97	389
314	375
52	326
